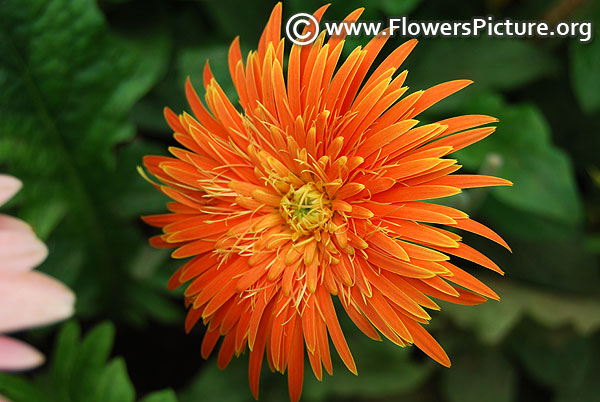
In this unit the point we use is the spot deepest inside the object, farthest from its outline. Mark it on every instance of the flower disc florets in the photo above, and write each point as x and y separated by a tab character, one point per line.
306	209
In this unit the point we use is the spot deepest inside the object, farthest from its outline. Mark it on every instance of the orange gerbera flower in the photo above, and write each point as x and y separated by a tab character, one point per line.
314	189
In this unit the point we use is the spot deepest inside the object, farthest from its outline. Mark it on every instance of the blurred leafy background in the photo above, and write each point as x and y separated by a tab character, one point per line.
82	87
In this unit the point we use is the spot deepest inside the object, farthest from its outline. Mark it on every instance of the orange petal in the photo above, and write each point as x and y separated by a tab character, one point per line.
424	341
296	360
482	230
471	254
335	331
462	278
460	123
469	181
437	93
401	193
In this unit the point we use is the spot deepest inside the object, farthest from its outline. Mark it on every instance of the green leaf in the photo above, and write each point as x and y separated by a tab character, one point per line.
188	61
191	63
45	217
587	389
153	300
492	321
384	370
484	60
542	174
114	384
20	390
585	74
65	355
544	252
232	17
592	244
485	376
213	385
522	225
132	194
561	361
166	395
67	85
91	360
79	372
557	358
398	8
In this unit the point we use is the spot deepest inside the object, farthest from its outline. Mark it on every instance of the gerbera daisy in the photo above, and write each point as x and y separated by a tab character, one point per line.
314	188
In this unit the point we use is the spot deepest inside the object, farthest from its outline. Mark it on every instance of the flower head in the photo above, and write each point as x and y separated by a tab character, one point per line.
314	188
27	298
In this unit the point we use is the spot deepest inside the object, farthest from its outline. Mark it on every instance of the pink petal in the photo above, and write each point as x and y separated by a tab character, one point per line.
3	399
20	250
32	299
8	222
8	187
16	356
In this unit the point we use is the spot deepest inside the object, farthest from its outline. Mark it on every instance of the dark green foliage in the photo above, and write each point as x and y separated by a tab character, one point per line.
68	85
80	371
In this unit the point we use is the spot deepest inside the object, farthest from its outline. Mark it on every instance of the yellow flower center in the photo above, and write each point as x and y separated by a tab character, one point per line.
306	209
